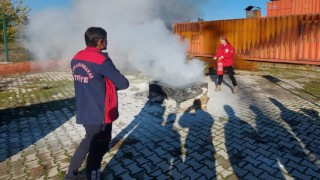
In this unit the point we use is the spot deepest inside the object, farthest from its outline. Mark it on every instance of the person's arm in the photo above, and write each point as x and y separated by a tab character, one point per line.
111	72
218	54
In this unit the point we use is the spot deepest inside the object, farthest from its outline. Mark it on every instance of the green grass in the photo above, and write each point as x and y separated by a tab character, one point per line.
309	80
35	92
313	88
284	73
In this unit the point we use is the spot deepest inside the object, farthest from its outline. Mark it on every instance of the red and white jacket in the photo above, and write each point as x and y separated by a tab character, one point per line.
227	52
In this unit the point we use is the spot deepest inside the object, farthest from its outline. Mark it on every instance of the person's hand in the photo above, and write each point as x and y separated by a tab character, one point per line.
214	58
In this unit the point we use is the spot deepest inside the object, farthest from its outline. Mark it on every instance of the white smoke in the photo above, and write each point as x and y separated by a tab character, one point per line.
138	35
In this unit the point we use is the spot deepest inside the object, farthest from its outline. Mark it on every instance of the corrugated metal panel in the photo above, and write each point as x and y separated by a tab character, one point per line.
305	6
279	8
293	7
285	38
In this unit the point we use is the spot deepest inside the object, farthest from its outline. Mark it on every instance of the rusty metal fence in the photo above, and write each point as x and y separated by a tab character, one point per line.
289	39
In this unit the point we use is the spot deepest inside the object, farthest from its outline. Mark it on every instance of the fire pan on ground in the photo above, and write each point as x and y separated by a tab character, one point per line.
183	95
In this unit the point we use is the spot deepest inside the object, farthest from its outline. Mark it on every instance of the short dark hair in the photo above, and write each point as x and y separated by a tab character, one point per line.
93	34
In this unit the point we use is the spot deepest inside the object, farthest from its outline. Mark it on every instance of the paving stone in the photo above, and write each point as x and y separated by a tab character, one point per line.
155	173
127	162
52	172
52	162
118	169
207	172
165	144
253	161
271	151
179	163
26	140
17	165
140	147
57	149
267	175
298	175
174	173
15	145
189	172
223	154
226	173
308	165
149	167
29	150
159	151
125	175
293	159
250	175
17	173
15	158
312	172
32	164
4	174
43	150
268	169
288	177
194	163
253	170
30	157
155	159
58	156
163	176
45	157
240	171
141	160
134	168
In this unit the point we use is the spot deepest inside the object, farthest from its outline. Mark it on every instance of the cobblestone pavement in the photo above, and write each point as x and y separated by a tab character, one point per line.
266	131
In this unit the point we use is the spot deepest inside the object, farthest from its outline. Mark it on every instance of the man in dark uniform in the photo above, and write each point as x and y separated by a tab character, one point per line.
96	81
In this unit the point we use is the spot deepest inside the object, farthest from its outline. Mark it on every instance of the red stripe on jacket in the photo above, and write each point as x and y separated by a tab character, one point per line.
90	54
111	103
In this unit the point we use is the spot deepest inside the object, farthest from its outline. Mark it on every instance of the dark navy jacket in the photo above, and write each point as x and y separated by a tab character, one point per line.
90	69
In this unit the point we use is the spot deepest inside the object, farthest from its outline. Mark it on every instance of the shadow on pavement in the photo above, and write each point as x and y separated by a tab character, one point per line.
242	145
199	150
268	151
305	128
136	145
23	126
151	146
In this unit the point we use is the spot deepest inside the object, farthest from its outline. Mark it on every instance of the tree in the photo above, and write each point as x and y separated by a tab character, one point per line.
16	15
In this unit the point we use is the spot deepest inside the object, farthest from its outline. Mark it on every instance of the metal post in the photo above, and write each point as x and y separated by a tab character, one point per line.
5	36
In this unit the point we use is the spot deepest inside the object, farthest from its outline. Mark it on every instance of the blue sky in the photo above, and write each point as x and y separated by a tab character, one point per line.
231	9
37	5
214	10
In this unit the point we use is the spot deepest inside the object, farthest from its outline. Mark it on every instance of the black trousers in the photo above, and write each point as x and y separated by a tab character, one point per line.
95	144
98	147
231	75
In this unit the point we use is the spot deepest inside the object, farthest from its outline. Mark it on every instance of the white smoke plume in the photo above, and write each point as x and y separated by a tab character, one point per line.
138	35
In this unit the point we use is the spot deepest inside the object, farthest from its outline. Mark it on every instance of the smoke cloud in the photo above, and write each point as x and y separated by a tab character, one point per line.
139	36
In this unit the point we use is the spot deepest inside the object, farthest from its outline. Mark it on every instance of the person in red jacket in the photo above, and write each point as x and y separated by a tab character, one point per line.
225	54
96	82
